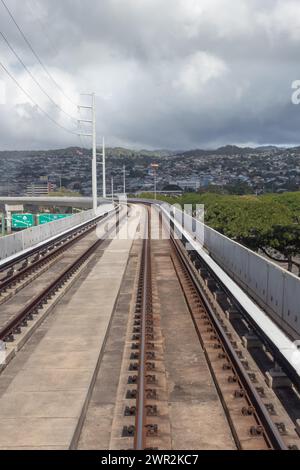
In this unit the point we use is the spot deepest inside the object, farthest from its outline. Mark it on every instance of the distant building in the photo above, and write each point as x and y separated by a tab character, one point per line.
186	184
41	188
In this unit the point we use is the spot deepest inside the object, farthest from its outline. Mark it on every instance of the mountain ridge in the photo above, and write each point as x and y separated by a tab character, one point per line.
159	153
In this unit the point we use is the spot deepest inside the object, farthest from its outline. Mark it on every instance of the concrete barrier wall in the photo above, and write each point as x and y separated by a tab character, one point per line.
276	290
12	244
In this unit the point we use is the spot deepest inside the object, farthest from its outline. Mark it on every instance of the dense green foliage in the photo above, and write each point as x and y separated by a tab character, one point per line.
63	192
270	223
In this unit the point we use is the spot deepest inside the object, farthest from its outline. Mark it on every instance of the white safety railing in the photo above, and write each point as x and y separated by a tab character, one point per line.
276	290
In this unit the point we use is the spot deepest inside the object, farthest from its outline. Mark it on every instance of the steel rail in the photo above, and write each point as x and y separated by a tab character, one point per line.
145	273
26	271
270	428
46	245
263	335
9	281
13	327
279	358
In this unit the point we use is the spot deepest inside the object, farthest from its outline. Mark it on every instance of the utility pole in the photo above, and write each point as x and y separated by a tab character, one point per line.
112	188
104	167
103	163
124	179
155	167
94	161
92	121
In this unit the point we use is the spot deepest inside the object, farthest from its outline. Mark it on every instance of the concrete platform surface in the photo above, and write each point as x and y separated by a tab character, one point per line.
41	406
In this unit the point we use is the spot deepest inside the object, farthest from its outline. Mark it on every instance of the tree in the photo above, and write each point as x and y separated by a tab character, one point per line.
285	239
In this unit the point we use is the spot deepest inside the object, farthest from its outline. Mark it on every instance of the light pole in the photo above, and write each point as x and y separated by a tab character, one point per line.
94	161
103	163
112	188
104	167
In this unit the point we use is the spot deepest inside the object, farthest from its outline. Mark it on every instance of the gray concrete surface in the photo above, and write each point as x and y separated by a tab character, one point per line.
41	406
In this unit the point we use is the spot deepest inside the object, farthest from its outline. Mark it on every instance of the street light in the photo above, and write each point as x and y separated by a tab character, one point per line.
112	188
103	163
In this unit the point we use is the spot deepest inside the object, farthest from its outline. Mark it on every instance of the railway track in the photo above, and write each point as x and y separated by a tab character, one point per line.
14	272
244	407
143	331
47	276
172	372
251	407
252	417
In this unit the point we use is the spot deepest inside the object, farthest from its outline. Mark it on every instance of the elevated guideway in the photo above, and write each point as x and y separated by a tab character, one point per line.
18	244
130	334
78	202
257	288
123	338
274	289
267	292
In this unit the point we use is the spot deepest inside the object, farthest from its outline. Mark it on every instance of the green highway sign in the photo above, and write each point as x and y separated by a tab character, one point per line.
22	221
46	218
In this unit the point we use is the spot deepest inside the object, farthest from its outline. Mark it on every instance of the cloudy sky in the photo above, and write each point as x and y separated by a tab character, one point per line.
172	74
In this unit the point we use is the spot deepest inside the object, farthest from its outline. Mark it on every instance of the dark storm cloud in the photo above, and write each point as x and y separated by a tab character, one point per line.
167	73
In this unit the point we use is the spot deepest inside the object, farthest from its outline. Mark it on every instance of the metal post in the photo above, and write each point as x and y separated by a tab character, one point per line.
154	167
3	224
124	179
8	222
94	161
94	146
104	168
112	188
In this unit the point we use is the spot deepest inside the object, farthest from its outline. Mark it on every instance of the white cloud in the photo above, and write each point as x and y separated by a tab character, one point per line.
226	18
171	73
197	70
283	19
2	92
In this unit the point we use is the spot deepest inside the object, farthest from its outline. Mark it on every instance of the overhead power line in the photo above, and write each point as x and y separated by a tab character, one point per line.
33	77
35	54
34	102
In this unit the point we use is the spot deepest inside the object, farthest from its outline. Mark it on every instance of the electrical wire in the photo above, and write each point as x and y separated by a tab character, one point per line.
35	54
34	102
34	79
